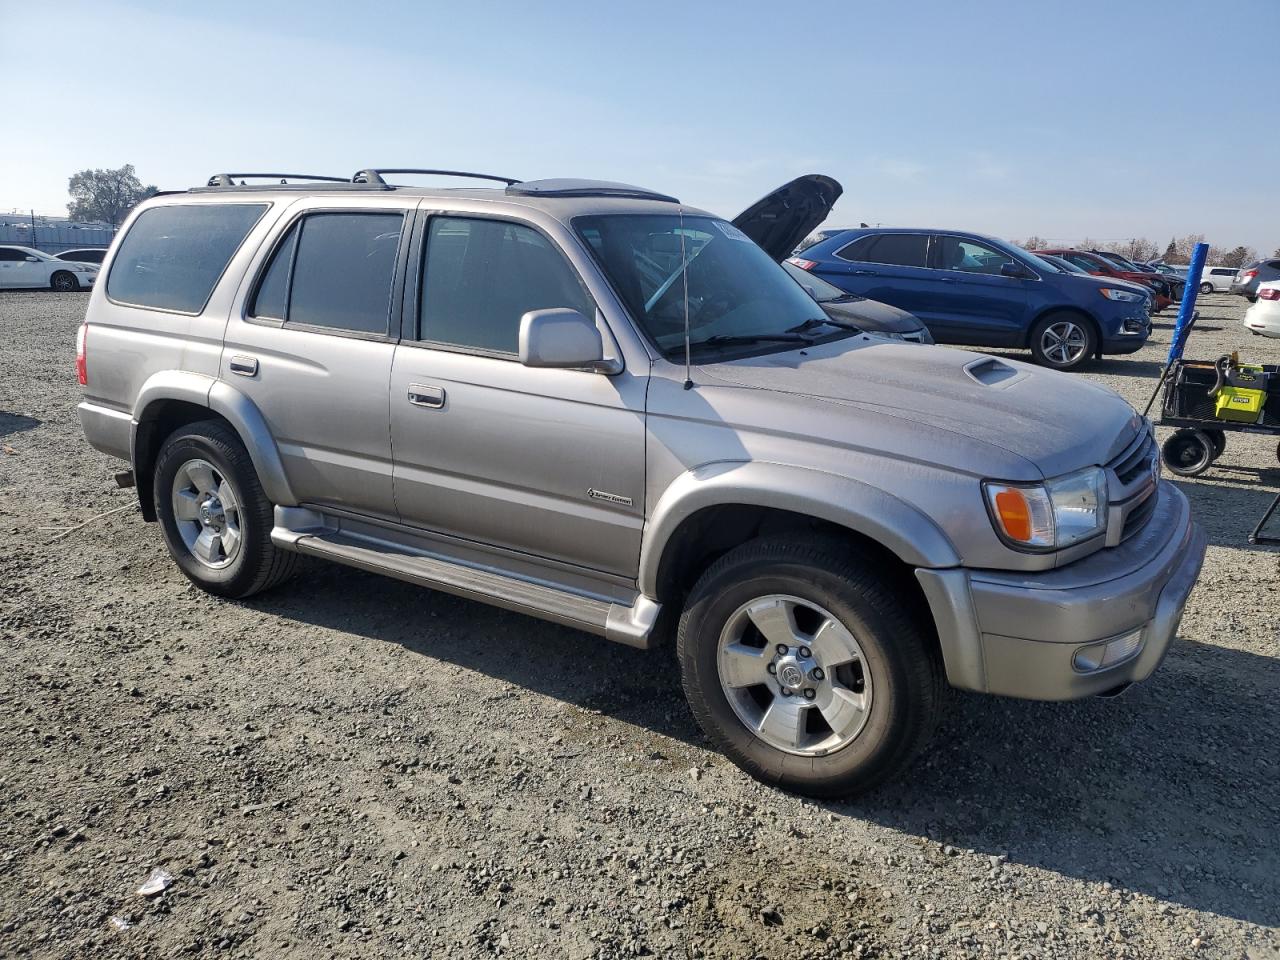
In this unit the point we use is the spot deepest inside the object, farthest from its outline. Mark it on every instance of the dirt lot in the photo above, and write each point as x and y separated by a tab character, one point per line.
350	766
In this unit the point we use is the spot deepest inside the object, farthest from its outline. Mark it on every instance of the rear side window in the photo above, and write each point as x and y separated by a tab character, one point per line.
333	270
172	256
8	253
896	249
482	276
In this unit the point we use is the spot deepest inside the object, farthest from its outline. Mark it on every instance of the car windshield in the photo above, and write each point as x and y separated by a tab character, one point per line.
1066	266
1122	263
1028	256
737	293
818	288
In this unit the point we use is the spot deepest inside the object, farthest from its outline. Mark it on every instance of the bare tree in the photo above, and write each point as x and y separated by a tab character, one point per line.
1033	242
1238	257
106	195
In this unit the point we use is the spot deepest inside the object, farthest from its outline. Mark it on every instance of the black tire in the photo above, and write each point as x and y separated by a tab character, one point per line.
1219	440
1188	453
907	684
257	564
1081	340
64	281
1206	288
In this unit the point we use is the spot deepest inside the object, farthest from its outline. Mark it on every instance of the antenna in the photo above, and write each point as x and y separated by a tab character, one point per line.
684	276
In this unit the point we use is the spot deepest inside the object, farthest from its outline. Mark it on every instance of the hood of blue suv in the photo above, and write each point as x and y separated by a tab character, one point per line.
1054	421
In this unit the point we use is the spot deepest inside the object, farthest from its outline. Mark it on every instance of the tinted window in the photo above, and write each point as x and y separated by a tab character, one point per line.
955	253
91	256
898	249
1223	272
271	299
172	256
857	250
481	276
342	271
8	253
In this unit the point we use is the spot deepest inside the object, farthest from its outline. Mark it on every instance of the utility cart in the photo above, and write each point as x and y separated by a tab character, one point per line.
1206	400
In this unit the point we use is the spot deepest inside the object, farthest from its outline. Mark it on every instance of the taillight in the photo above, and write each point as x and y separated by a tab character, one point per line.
802	263
82	368
1248	275
1269	293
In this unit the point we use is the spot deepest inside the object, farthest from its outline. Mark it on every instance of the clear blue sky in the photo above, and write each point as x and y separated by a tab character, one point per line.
1010	118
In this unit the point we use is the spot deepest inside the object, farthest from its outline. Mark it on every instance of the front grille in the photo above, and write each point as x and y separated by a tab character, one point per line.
1138	515
1135	461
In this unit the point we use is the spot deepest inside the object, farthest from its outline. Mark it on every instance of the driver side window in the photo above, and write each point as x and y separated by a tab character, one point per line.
969	256
481	276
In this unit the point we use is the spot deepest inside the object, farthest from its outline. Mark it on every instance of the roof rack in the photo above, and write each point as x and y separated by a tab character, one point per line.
375	176
564	187
228	179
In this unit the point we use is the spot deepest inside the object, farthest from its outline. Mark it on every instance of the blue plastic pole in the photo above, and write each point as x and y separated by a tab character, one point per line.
1188	308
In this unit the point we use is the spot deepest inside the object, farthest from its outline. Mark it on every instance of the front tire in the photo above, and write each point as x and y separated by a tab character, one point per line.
806	669
214	514
1206	288
1063	341
64	282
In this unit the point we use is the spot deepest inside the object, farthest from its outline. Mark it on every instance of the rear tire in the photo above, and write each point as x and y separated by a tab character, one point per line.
64	282
214	514
1063	341
855	696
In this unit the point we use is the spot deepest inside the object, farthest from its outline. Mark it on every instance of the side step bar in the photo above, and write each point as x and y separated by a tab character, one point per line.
631	625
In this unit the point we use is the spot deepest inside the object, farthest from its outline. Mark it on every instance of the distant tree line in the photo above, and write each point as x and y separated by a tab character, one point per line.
1142	250
106	196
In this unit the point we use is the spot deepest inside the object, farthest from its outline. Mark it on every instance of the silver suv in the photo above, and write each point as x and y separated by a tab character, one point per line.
587	402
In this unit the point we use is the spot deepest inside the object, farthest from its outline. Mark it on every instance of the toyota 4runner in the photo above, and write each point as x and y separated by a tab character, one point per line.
589	403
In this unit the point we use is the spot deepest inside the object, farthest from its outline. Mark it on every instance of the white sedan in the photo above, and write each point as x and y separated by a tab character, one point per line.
27	267
1264	316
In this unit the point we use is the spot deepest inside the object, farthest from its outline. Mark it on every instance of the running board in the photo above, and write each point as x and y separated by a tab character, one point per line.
630	625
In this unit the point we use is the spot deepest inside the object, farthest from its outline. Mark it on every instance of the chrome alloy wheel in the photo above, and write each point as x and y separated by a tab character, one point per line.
1064	342
206	511
794	674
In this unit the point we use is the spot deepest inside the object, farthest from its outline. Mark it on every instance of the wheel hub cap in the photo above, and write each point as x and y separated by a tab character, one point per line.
206	511
795	675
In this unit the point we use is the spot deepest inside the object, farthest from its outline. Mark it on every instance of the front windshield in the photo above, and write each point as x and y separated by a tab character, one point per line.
735	289
1122	263
1031	258
1066	266
818	288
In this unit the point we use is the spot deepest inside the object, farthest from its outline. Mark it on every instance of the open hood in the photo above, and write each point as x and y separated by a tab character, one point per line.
781	220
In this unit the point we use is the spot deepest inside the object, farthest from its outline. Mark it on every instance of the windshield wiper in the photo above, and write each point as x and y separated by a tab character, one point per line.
819	321
723	340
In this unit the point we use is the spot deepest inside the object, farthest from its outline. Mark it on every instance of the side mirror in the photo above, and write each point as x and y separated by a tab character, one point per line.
31	259
562	338
1015	270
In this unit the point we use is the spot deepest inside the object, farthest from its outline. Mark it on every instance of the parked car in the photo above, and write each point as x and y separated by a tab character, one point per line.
590	403
869	315
1168	269
1217	279
973	289
30	268
84	254
1248	278
1100	266
1263	318
1066	266
1171	287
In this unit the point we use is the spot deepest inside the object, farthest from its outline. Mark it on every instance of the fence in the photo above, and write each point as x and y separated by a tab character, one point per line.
53	236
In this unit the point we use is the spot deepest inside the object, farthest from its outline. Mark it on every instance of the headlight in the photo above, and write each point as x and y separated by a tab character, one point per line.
1128	296
887	334
1049	515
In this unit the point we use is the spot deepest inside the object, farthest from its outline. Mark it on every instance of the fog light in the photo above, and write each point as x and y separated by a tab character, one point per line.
1096	656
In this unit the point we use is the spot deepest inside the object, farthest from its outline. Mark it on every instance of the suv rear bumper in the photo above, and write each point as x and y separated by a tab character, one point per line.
1018	634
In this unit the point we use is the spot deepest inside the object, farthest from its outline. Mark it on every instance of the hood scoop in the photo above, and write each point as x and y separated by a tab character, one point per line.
991	372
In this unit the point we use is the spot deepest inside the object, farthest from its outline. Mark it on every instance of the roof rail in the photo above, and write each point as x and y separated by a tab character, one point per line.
228	179
372	175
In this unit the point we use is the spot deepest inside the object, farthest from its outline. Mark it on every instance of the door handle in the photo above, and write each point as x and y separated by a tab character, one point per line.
422	395
244	366
865	273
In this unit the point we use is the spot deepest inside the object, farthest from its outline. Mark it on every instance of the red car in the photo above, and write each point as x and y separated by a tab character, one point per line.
1101	267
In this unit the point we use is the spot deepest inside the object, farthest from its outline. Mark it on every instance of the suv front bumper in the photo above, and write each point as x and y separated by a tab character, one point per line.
1019	634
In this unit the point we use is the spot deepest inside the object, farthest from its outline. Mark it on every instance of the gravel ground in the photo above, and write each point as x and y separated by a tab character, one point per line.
350	766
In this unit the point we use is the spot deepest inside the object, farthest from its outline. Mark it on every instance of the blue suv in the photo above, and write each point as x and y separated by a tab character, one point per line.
973	289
